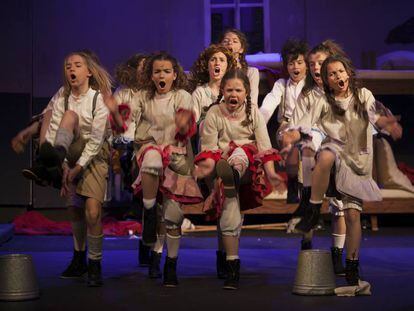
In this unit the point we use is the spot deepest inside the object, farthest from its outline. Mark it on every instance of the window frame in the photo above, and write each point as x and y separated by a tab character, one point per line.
237	5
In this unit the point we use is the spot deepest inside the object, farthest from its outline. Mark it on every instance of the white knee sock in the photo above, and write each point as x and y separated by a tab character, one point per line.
149	203
159	244
173	244
338	240
307	166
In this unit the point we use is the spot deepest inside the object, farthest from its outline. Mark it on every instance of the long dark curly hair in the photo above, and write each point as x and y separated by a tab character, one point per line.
237	73
199	73
148	85
244	44
353	86
329	47
126	73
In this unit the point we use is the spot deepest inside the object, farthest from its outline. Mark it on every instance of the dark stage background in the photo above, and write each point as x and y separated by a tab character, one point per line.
37	34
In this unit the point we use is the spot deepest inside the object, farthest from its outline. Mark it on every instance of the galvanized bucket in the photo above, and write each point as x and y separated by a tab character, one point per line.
17	278
314	274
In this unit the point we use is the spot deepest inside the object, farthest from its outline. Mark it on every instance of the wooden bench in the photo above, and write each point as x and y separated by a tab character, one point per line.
373	209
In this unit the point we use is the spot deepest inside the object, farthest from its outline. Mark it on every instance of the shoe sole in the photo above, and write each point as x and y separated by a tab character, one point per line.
229	287
32	176
225	172
170	285
73	277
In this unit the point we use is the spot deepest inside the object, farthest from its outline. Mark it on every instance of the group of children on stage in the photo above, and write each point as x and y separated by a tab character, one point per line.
216	135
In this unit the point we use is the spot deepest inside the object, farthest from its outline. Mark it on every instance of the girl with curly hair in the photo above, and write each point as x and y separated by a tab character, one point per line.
206	75
164	122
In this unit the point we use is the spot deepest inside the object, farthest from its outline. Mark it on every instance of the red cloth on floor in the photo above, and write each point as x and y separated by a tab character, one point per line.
34	223
408	171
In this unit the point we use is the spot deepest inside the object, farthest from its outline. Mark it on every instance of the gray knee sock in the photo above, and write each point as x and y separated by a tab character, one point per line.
95	246
64	138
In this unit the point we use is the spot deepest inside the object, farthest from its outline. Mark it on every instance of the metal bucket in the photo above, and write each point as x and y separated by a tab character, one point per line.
17	278
314	274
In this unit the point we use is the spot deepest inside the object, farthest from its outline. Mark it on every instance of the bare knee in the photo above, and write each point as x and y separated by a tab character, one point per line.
206	167
326	159
93	211
69	119
352	216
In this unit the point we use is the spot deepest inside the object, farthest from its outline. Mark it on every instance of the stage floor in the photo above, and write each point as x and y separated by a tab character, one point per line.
267	275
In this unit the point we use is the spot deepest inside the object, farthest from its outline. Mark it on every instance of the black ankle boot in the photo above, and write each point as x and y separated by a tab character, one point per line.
37	173
311	217
52	158
304	201
149	225
77	267
233	274
230	178
336	254
94	273
292	190
170	272
52	155
352	272
144	254
305	244
221	265
154	271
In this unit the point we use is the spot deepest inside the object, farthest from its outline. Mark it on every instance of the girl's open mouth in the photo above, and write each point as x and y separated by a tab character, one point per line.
341	83
296	72
162	84
233	101
217	70
317	74
73	76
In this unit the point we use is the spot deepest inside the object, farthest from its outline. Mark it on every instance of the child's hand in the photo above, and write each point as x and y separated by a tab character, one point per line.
69	174
64	191
74	172
110	102
290	137
277	182
392	126
18	143
182	120
284	153
396	131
